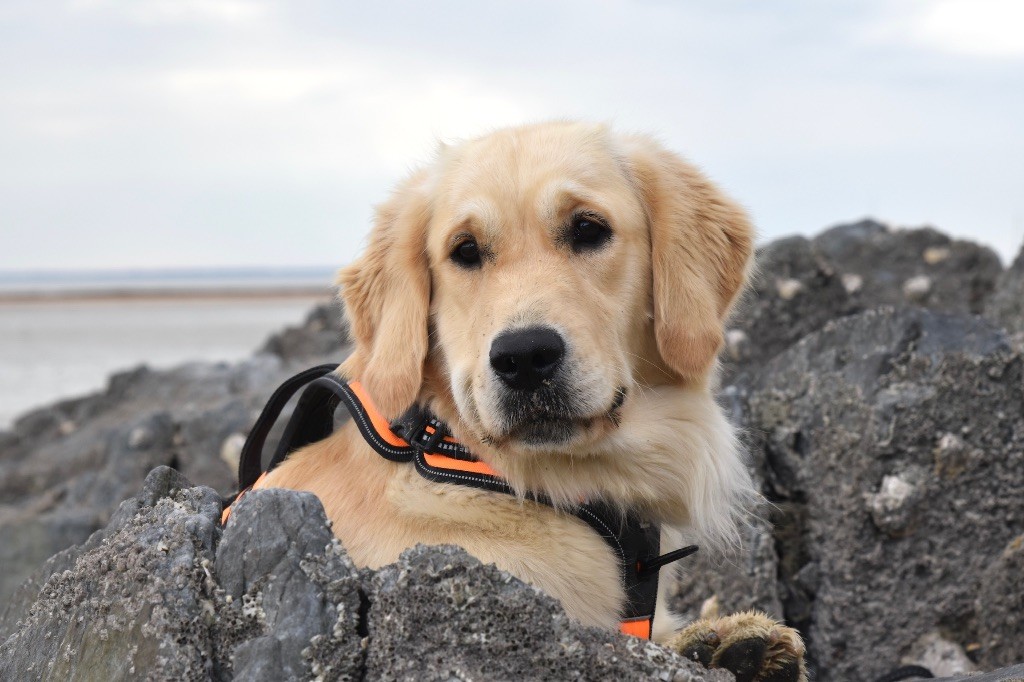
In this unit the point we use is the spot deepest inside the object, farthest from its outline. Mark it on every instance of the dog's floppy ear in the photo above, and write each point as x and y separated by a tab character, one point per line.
701	244
387	299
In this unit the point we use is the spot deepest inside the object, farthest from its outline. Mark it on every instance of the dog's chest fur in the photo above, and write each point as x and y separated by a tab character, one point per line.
379	508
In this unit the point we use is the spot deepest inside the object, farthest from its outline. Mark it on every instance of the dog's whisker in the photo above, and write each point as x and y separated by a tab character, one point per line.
643	359
640	386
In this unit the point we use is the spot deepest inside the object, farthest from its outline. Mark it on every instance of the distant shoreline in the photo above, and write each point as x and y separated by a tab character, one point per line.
168	294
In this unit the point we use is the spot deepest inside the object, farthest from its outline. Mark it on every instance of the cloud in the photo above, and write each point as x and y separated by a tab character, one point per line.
176	11
351	114
256	85
975	28
216	130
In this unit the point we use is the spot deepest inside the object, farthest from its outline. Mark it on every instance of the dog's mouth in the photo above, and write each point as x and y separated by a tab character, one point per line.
542	423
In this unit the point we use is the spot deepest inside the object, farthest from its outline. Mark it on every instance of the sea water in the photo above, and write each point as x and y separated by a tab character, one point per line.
66	344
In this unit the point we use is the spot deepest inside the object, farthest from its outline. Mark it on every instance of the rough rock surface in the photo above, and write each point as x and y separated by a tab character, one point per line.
64	468
1013	673
163	594
887	442
919	266
795	292
292	597
1006	305
999	605
321	335
900	479
440	615
892	446
130	602
803	283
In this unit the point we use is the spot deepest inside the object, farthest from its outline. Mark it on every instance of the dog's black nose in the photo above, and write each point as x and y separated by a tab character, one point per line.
525	358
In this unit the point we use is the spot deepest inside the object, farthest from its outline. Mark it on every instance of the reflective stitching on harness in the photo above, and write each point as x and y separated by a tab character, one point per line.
422	462
358	413
608	530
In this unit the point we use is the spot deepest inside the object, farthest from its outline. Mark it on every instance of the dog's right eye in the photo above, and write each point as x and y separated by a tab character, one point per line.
467	254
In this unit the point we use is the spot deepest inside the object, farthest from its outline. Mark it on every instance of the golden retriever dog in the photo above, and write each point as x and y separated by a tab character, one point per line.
555	293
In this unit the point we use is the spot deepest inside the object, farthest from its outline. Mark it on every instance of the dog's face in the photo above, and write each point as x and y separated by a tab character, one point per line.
540	263
542	277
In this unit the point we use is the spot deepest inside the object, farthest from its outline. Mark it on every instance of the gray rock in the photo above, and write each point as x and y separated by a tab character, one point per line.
801	284
921	266
63	469
1006	305
293	600
795	292
894	507
438	614
999	606
1011	674
154	596
59	485
160	483
323	333
132	601
889	443
897	437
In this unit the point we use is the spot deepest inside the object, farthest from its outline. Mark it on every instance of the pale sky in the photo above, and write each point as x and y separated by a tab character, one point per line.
175	133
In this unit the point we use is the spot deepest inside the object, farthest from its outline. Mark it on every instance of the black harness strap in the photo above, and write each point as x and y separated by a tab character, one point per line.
634	541
250	463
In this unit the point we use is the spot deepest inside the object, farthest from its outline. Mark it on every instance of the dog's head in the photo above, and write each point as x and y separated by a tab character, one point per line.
537	279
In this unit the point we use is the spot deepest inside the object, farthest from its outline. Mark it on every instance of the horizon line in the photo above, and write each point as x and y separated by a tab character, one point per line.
7	273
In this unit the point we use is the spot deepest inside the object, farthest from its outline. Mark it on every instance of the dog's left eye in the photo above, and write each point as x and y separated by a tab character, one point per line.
588	233
467	254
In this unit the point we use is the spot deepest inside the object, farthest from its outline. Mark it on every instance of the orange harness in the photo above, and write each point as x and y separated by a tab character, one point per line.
424	441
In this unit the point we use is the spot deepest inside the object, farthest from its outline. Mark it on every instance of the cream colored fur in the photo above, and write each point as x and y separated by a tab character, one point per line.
645	313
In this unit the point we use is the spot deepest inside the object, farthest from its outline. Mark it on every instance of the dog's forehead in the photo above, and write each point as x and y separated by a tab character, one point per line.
537	164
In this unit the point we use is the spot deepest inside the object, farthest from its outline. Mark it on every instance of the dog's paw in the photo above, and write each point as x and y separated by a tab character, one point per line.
750	645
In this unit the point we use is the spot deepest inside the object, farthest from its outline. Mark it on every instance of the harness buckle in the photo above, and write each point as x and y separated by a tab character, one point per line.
430	434
419	429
